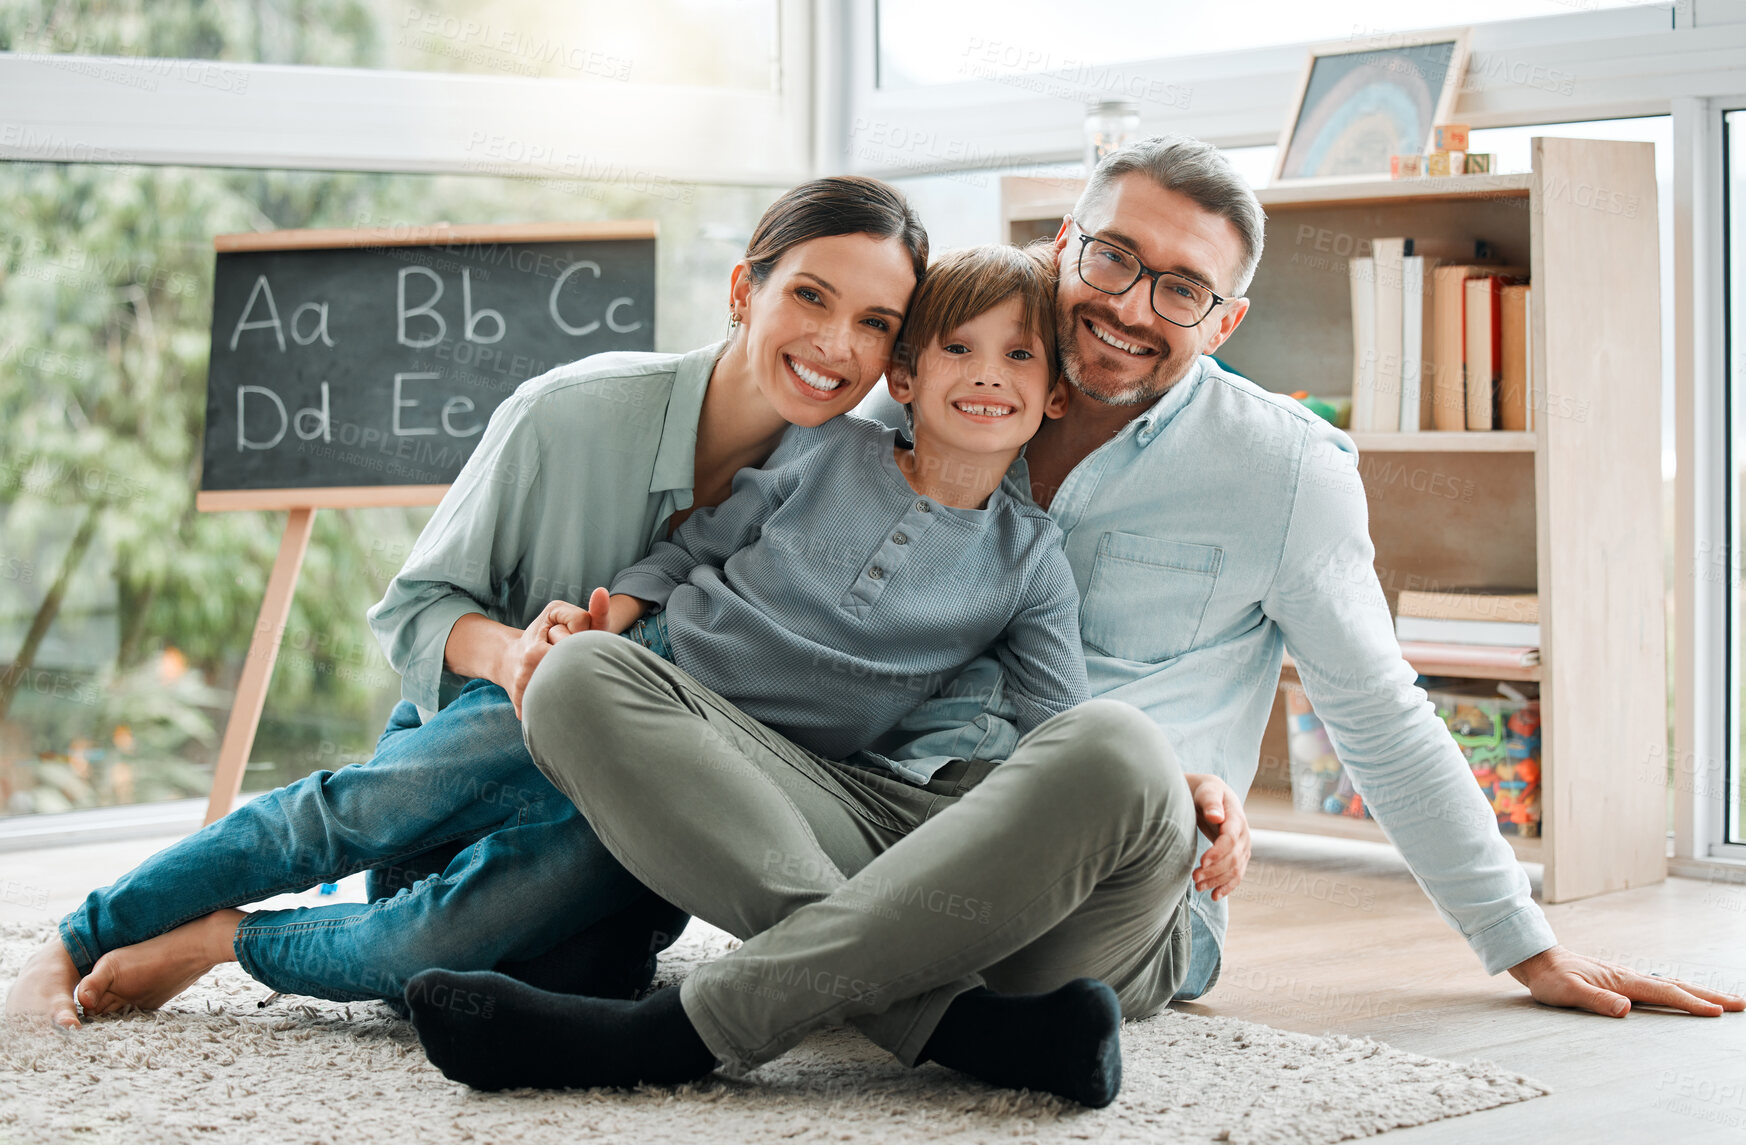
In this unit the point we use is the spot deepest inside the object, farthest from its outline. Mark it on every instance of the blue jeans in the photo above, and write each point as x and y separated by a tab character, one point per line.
1204	957
530	873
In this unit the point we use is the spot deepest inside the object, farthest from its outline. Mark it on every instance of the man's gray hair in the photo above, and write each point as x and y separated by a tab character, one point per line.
1198	170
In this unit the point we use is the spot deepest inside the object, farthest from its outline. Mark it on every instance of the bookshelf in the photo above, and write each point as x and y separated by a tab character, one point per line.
1428	441
1572	507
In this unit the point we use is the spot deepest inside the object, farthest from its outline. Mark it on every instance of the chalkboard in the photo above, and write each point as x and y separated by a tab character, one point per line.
360	367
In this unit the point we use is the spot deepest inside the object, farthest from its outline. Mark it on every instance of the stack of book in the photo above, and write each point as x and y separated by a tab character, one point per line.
1440	338
1473	627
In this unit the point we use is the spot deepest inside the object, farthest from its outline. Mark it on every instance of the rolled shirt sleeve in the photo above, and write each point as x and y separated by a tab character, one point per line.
1334	617
466	554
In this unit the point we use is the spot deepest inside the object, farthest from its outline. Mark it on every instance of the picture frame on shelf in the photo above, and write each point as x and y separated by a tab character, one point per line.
1362	100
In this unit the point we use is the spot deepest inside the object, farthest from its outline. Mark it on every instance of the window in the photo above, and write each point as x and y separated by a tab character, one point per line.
1732	788
707	43
124	614
1028	43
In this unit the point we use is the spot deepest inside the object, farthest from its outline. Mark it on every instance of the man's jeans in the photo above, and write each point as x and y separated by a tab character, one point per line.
1203	961
531	872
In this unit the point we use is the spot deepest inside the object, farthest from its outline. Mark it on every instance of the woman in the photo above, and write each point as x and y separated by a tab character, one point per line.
577	474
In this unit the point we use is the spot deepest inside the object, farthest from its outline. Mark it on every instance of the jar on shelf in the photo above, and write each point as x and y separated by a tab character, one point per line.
1109	125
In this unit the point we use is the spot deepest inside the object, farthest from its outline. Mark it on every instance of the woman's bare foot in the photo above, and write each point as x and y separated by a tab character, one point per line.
150	973
44	990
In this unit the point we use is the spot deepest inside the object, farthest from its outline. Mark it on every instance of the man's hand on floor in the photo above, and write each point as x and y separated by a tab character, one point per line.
1219	813
1560	977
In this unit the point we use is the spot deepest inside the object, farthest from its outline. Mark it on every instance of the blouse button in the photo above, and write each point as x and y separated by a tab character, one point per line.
900	538
876	572
924	506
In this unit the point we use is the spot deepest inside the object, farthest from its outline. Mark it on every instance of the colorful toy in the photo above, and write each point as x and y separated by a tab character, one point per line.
1500	737
1318	782
1449	137
1498	734
1335	411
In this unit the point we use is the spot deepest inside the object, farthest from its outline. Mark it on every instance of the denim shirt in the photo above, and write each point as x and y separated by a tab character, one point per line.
1217	528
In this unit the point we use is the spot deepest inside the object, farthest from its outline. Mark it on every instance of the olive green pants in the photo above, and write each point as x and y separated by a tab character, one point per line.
861	897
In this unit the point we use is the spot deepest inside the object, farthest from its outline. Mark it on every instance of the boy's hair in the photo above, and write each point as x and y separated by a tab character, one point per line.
965	284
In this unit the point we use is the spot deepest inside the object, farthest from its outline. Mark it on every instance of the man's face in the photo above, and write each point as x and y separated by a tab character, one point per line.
1115	348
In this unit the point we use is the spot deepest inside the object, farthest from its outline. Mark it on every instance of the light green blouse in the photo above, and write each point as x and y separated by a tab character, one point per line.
573	480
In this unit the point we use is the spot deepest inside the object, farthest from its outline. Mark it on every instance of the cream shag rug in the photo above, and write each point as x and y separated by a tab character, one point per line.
212	1067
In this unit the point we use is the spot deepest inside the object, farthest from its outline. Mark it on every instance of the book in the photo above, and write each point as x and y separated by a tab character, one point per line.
1447	370
1515	393
1467	655
1435	655
1483	346
1385	412
1400	326
1517	605
1416	317
1362	272
1501	633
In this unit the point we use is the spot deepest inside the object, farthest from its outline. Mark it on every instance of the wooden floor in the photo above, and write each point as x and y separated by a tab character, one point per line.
1330	935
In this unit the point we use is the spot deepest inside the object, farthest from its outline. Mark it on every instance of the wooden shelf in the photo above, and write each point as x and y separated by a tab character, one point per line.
1271	810
1377	192
1047	199
1433	442
1429	667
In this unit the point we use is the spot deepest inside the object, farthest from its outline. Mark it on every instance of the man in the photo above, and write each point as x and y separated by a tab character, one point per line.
1209	523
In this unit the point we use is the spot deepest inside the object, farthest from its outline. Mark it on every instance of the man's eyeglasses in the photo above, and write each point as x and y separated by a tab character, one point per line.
1114	270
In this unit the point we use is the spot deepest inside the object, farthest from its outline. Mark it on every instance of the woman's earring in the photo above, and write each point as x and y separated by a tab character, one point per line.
733	321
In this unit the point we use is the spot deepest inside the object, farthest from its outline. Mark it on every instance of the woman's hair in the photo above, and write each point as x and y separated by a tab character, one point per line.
837	205
965	284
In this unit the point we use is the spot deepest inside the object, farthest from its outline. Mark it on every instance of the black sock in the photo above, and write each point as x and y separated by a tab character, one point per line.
1067	1042
614	958
492	1032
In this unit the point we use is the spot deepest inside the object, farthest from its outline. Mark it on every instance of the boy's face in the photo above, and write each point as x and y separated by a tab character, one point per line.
984	387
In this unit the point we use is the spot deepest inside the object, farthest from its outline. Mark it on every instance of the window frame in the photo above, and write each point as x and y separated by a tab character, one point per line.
1706	718
1724	347
1575	67
70	108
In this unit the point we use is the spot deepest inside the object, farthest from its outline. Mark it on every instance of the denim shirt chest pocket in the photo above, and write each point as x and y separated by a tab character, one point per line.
1147	596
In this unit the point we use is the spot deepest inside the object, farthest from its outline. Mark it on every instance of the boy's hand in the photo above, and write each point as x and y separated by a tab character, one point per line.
568	619
1219	814
623	611
605	613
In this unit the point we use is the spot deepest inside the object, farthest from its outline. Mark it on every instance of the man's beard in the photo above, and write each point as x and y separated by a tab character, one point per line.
1167	368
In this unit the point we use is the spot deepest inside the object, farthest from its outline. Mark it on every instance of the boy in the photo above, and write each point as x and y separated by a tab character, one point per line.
849	577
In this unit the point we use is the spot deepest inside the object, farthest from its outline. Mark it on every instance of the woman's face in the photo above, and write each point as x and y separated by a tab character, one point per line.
819	330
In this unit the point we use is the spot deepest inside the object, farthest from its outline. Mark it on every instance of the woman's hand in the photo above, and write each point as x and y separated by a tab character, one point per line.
556	620
1219	814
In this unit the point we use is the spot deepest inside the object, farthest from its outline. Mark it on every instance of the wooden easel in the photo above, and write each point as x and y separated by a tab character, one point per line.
251	688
